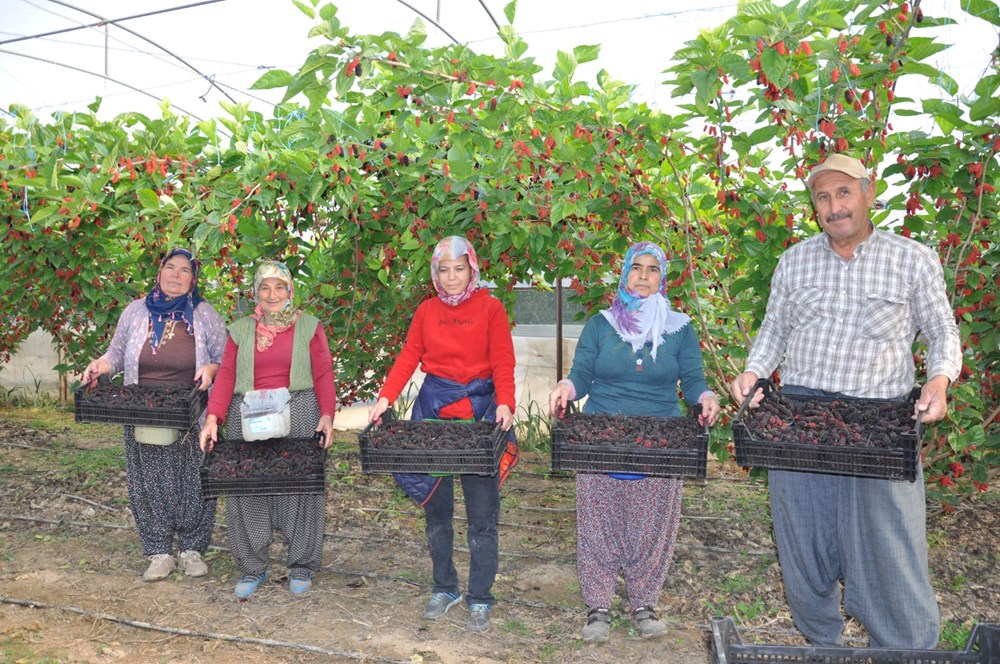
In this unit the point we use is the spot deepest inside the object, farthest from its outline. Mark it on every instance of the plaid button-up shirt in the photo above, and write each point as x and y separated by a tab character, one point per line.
849	325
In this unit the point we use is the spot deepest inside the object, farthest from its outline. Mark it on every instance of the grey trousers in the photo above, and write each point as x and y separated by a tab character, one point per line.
252	520
869	533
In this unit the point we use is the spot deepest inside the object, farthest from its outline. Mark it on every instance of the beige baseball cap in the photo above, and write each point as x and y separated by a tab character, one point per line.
841	163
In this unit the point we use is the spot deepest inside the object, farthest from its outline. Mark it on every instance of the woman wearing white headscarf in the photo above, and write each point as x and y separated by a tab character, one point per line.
278	346
628	361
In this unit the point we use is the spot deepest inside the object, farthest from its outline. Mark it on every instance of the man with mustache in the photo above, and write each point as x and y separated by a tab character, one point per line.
844	310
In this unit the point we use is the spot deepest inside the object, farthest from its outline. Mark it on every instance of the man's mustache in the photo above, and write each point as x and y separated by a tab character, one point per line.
837	216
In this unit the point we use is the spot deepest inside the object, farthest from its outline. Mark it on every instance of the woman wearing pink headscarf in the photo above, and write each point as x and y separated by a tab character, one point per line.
277	346
461	340
629	360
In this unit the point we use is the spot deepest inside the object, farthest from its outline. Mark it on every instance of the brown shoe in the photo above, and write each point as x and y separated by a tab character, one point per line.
160	567
646	622
191	564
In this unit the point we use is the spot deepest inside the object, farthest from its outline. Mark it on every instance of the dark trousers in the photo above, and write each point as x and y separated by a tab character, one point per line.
482	509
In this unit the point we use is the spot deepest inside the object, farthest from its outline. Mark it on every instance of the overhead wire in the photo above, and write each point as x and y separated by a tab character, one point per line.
147	39
489	13
429	19
104	22
105	77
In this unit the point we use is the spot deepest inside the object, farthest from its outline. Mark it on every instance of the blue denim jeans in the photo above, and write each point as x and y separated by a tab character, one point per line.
482	509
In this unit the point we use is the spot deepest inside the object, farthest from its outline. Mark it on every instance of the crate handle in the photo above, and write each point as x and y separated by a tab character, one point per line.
695	411
387	417
569	409
917	424
762	383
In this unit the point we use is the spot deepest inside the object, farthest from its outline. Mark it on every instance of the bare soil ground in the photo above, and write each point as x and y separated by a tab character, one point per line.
71	565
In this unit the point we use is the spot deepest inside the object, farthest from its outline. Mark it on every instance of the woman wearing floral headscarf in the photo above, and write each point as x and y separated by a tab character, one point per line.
461	340
169	336
628	361
278	346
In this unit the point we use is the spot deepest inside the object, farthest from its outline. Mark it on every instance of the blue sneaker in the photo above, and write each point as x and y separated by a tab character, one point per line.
299	580
248	584
439	603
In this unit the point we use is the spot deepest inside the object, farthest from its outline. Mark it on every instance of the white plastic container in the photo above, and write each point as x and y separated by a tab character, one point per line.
155	435
266	414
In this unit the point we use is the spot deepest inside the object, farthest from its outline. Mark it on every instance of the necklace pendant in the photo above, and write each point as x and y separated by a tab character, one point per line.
638	365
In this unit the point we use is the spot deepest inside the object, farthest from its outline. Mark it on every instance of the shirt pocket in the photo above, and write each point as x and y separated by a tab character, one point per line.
884	316
804	306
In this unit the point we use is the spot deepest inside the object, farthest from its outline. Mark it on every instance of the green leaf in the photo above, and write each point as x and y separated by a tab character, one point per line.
565	66
148	199
509	10
418	32
43	213
984	108
327	12
459	161
558	212
935	76
775	66
276	78
988	10
704	82
586	53
921	48
948	116
305	9
751	29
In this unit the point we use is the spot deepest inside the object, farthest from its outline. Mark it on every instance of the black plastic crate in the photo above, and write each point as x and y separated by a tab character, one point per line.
483	458
108	403
894	463
607	456
258	468
983	647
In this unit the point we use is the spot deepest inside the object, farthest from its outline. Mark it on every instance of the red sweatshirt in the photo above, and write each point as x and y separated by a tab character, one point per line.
271	370
461	343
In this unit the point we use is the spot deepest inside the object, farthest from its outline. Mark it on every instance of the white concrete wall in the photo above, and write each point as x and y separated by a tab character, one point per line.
33	362
534	375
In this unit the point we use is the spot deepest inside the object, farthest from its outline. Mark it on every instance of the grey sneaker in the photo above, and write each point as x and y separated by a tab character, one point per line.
160	567
598	626
191	564
646	622
439	603
479	618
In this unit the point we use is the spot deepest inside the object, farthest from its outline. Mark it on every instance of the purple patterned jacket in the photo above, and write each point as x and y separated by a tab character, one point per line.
133	329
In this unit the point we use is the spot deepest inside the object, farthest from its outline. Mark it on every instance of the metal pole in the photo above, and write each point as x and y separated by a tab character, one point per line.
559	331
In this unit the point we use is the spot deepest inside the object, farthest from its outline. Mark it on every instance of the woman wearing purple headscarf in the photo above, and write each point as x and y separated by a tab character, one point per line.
169	336
629	360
